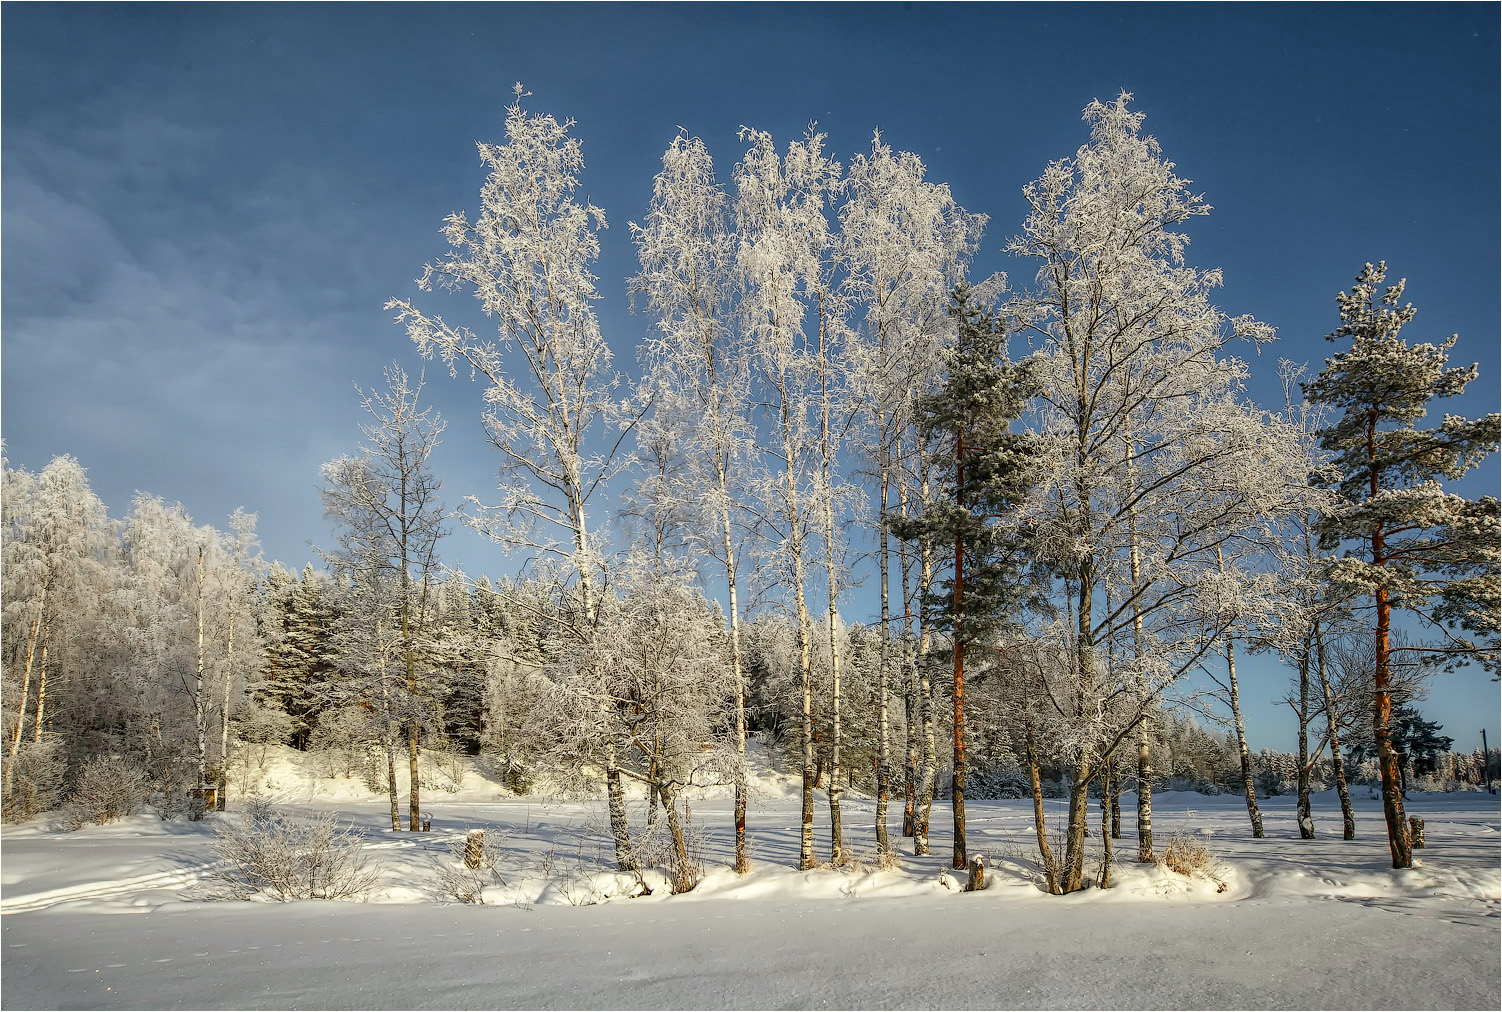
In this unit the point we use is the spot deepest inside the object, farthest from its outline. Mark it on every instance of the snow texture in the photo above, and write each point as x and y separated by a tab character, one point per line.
1299	924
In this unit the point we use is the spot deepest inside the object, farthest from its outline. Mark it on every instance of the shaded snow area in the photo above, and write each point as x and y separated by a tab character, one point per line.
126	915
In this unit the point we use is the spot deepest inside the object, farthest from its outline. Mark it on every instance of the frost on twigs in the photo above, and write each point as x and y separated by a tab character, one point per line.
456	881
278	857
109	789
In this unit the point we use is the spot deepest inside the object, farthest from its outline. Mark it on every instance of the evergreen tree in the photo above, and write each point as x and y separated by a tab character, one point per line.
1413	545
980	396
307	658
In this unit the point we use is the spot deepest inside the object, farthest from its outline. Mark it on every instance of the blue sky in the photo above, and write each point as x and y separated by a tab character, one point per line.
205	207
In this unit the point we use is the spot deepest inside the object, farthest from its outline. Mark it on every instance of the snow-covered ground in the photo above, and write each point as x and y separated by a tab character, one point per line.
119	916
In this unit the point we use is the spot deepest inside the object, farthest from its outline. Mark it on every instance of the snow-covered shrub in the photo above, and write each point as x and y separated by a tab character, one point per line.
35	776
285	858
262	725
341	740
455	880
443	767
507	770
109	788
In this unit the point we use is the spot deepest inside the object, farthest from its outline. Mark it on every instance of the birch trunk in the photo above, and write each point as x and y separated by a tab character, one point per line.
1348	816
742	862
926	702
1144	736
229	681
836	825
42	680
1252	810
682	875
1106	790
1073	872
31	643
1305	816
1045	853
883	757
199	715
388	731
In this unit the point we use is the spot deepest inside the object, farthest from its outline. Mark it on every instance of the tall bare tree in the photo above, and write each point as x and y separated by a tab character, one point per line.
549	389
385	501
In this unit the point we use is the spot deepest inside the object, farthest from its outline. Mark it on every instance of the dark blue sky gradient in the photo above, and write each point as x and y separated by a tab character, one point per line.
205	207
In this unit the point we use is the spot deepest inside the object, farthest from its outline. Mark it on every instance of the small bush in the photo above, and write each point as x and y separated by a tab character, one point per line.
1191	857
458	882
109	789
443	767
285	859
36	780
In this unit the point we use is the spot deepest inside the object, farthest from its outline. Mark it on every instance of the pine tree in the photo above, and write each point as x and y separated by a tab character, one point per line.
979	398
1411	544
307	653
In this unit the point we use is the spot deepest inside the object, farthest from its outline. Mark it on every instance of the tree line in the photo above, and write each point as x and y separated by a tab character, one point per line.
1073	511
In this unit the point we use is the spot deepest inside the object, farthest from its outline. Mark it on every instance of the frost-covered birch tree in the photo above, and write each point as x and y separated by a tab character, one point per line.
698	359
384	502
55	531
783	236
549	389
904	245
1154	460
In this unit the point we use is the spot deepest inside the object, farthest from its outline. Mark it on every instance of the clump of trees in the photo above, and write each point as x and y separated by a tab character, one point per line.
1076	518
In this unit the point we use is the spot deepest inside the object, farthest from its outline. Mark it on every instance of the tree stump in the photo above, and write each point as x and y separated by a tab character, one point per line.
427	823
474	848
977	880
1416	831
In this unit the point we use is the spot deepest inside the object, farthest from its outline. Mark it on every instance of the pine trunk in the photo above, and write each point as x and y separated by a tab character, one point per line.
1392	791
957	789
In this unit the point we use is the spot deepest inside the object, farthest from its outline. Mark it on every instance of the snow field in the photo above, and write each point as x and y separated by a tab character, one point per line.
1301	924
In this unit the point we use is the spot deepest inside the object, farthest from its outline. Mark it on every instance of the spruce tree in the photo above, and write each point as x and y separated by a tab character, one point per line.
981	395
1410	543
